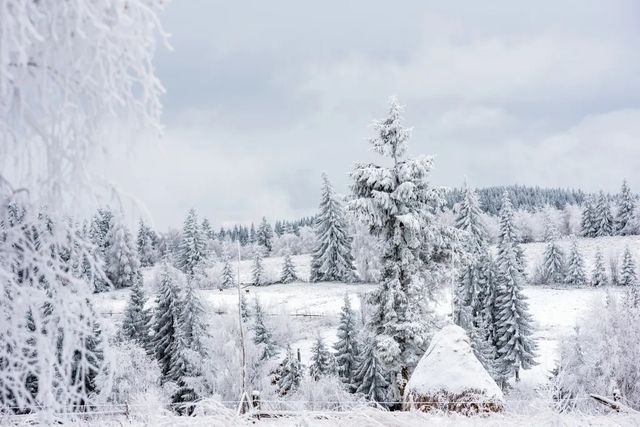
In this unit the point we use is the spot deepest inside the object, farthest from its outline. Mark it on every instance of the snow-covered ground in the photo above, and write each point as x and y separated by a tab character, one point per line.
309	309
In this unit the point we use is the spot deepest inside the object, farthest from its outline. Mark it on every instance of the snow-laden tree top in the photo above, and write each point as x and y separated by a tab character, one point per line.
67	69
450	365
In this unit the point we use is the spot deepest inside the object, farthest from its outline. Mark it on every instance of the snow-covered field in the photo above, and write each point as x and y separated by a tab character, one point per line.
309	309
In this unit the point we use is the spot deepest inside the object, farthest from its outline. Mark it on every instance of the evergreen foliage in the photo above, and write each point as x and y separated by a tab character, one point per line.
288	274
398	205
135	324
258	275
576	275
347	347
146	245
331	260
262	335
322	361
227	275
192	246
553	264
121	258
514	342
599	274
264	235
588	225
370	378
628	271
290	374
626	207
602	217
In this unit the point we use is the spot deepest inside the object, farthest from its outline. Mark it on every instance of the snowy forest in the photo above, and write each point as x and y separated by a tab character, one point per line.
397	301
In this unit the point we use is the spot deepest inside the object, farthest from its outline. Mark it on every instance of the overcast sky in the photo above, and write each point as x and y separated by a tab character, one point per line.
264	96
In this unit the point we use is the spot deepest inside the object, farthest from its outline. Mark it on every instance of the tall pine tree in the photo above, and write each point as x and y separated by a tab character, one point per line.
135	324
121	258
371	376
288	274
331	260
515	345
264	235
603	218
168	337
588	224
398	205
628	271
599	275
322	361
192	246
146	245
553	264
347	347
258	275
291	373
626	206
227	274
262	335
575	275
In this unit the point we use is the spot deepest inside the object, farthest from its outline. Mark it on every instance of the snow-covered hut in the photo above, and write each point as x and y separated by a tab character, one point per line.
449	377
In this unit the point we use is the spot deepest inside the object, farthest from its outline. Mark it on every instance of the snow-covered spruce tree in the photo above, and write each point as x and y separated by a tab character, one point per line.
331	261
135	324
322	361
261	333
264	235
258	275
146	245
347	347
290	374
244	308
192	247
121	257
553	266
588	224
628	275
397	204
193	325
99	229
288	274
599	274
575	274
484	349
603	220
488	283
168	336
626	207
371	375
227	280
468	293
515	345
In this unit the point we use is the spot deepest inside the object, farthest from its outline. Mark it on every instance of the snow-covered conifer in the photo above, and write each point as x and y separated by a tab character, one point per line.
398	205
599	273
290	374
168	337
603	218
322	361
468	218
264	235
347	347
588	224
626	207
258	275
370	377
135	324
192	246
193	325
575	274
515	345
262	335
227	274
331	260
121	257
288	274
628	270
145	242
553	266
244	308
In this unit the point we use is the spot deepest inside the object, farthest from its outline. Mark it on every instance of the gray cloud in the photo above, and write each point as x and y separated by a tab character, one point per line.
263	96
